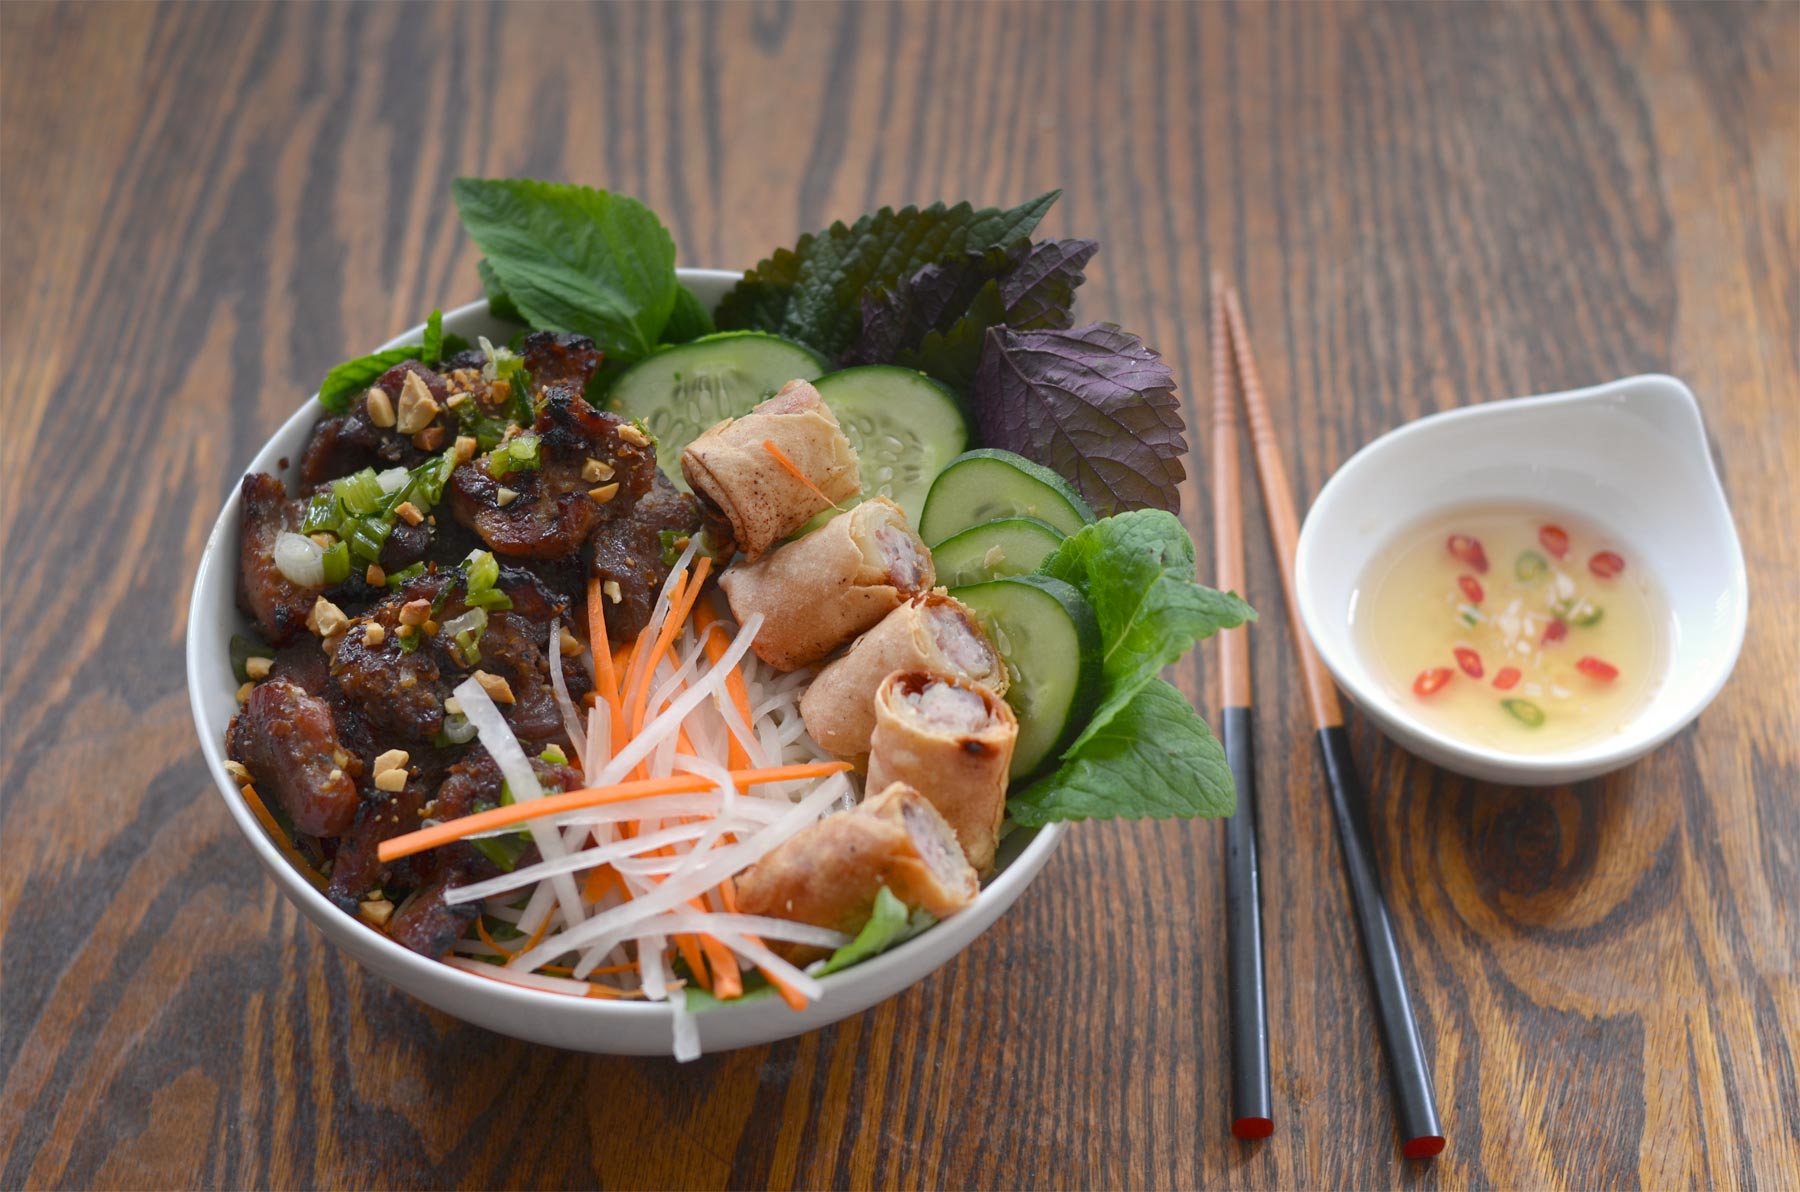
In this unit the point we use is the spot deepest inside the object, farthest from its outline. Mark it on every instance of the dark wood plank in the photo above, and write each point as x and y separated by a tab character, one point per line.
206	206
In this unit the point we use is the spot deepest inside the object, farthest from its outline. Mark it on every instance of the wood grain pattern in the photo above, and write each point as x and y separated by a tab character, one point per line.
206	206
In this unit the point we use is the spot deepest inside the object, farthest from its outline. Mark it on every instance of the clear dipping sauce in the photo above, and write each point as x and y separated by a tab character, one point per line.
1513	627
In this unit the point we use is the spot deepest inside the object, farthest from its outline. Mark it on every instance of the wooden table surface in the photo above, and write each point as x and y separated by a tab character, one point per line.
205	207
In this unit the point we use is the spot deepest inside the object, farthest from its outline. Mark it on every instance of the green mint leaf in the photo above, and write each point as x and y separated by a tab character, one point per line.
690	319
1137	570
814	293
889	924
572	258
349	380
500	303
1093	403
432	352
1156	759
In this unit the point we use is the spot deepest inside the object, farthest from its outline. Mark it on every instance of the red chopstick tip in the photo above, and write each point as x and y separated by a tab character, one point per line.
1423	1147
1253	1127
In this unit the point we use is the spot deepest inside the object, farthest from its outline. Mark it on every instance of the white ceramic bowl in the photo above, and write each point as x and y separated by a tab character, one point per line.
584	1024
1631	455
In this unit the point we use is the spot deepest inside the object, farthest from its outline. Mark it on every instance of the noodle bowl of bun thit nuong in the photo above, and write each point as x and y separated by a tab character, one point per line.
854	651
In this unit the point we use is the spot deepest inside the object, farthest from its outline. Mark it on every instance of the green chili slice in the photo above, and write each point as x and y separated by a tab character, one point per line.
1524	711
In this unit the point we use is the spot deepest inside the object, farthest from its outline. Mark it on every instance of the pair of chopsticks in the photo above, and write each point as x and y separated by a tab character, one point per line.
1421	1133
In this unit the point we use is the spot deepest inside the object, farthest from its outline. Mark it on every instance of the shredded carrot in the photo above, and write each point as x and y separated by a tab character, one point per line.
793	997
563	970
537	935
643	662
286	846
597	641
705	620
599	879
794	471
690	952
681	604
482	931
516	813
727	982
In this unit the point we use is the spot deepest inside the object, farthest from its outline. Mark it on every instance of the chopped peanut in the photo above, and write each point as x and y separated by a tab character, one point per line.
380	407
452	707
431	438
391	780
633	435
323	539
415	612
393	759
326	618
594	471
258	668
465	448
497	688
505	497
417	406
243	692
240	773
611	588
375	576
378	911
569	646
457	401
498	392
605	492
373	634
409	513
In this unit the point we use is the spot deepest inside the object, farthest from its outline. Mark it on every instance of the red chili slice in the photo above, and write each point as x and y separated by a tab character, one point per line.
1429	681
1507	678
1606	564
1470	662
1555	631
1594	668
1468	550
1471	587
1554	539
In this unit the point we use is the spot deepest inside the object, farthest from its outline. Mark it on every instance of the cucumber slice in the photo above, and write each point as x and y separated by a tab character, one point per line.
981	486
681	391
1048	635
992	550
904	425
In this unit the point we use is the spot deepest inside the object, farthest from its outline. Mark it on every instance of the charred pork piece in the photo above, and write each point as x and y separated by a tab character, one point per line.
631	557
357	869
559	358
400	691
591	468
395	423
426	925
278	605
305	665
289	743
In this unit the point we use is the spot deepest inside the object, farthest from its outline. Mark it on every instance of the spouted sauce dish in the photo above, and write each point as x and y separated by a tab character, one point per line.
1515	628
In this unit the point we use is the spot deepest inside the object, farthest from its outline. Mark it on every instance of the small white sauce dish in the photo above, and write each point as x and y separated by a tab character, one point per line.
578	1023
1630	455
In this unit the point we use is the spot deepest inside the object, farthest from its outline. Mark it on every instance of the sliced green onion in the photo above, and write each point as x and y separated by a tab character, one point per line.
1524	711
503	851
554	755
366	536
1531	567
409	642
243	649
322	513
492	598
337	563
456	731
360	492
483	570
396	579
1468	615
672	545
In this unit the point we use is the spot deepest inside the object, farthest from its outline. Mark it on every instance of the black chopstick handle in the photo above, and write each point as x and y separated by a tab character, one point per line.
1421	1134
1251	1113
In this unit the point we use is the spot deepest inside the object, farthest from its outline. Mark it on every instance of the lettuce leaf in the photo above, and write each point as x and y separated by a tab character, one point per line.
1154	759
690	319
571	258
890	924
813	292
1137	570
1094	404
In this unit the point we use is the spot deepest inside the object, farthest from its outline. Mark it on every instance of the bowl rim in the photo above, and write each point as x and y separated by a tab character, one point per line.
1555	766
914	952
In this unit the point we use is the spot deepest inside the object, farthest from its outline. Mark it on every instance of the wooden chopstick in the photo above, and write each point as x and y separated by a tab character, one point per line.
1421	1133
1251	1097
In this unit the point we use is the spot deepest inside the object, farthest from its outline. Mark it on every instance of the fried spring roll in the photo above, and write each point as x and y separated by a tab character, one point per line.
953	742
732	468
818	592
829	874
932	633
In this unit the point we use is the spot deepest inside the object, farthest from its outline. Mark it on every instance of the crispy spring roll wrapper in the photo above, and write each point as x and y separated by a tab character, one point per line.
933	633
952	742
818	592
730	467
829	874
